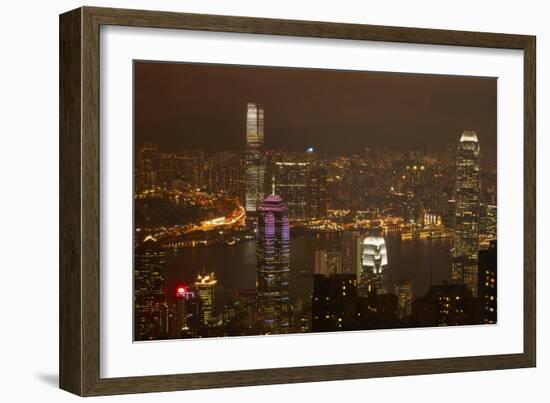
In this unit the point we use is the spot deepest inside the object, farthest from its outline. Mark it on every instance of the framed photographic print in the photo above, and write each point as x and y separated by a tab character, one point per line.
249	201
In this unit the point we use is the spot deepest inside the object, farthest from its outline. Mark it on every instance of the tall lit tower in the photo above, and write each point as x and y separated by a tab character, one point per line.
317	193
149	288
273	265
183	295
466	238
291	182
205	286
374	262
255	158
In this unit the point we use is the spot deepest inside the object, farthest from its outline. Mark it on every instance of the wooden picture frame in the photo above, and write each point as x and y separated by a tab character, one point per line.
79	347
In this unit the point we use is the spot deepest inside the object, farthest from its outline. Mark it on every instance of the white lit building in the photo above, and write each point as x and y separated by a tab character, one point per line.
374	264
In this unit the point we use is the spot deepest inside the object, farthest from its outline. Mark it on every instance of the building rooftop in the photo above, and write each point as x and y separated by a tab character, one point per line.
206	279
273	199
273	203
468	136
374	241
150	238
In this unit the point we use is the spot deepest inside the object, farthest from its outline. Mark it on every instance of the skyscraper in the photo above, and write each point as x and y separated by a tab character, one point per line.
317	193
374	263
291	183
466	238
185	317
255	158
273	265
149	289
205	286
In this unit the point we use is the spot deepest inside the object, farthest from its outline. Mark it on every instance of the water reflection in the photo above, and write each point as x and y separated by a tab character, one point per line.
420	260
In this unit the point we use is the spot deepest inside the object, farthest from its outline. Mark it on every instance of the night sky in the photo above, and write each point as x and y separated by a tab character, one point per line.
202	106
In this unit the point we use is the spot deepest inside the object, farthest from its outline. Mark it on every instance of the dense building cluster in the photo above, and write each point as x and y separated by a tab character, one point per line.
189	199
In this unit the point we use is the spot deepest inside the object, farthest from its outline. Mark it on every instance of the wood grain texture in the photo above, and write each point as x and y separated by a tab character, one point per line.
305	374
530	203
70	106
90	202
316	29
80	201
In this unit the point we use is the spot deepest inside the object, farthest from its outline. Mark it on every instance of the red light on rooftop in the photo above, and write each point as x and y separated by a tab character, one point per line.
181	291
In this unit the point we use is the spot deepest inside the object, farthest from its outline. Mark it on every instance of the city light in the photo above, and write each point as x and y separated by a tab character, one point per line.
260	238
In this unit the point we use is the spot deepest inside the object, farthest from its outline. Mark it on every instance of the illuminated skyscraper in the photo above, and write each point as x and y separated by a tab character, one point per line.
466	238
273	265
187	315
255	158
317	194
291	182
374	263
149	289
403	290
205	286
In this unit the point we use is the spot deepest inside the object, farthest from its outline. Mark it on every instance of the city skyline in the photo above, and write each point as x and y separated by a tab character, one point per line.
275	240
